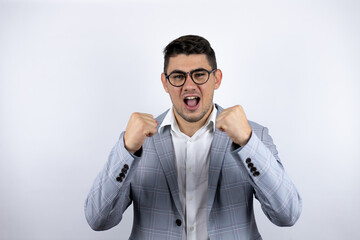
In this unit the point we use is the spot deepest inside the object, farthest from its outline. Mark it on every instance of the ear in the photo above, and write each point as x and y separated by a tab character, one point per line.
218	78
164	82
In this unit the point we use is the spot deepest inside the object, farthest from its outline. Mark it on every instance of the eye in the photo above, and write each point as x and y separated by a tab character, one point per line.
200	75
177	76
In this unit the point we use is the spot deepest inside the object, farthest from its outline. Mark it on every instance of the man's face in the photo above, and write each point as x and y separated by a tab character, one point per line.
191	101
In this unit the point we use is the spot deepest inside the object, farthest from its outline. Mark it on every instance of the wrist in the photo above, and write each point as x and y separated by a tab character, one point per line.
127	147
244	141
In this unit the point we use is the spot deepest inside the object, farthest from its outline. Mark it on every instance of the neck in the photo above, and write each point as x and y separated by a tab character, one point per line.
190	128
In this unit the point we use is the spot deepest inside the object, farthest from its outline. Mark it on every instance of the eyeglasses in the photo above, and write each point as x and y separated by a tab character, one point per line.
199	76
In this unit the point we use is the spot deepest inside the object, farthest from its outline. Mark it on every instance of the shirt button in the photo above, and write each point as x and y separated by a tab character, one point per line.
191	198
191	228
178	222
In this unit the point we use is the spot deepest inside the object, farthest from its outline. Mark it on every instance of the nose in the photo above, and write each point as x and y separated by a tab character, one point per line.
189	83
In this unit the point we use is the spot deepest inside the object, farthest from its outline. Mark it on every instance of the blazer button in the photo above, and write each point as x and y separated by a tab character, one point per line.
119	179
250	165
124	170
253	169
248	160
126	166
255	174
121	175
178	222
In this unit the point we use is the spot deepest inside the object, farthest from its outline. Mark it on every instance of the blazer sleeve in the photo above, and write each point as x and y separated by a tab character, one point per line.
110	194
278	196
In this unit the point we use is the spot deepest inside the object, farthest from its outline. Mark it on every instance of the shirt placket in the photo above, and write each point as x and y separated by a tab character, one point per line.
190	189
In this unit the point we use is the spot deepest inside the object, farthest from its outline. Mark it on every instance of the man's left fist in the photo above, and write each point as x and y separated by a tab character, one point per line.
233	121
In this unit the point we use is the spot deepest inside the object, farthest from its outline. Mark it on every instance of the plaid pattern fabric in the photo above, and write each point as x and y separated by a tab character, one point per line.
151	186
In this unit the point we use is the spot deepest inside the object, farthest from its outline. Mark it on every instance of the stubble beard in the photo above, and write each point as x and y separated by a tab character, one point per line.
194	119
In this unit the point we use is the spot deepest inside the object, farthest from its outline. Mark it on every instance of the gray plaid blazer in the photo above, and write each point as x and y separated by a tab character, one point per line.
149	182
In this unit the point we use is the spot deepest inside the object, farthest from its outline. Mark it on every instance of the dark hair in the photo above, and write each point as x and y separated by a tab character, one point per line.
189	44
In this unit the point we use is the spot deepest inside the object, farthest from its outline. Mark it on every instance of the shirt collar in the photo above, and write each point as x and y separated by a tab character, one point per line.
170	120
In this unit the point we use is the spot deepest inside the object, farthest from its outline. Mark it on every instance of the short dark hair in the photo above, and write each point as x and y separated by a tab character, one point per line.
189	44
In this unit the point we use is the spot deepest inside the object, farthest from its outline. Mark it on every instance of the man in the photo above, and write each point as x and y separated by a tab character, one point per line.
192	172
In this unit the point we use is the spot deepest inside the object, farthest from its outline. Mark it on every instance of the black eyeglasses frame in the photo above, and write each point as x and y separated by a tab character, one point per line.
190	73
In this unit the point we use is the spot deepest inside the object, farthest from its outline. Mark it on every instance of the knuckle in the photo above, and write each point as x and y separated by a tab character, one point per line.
135	115
142	124
239	107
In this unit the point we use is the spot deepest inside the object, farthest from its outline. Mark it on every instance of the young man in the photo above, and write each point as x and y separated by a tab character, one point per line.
192	172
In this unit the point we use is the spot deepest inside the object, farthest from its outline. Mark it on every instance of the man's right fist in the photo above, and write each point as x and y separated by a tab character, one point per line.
140	126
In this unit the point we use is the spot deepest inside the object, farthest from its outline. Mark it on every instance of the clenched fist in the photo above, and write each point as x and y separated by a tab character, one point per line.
140	126
234	122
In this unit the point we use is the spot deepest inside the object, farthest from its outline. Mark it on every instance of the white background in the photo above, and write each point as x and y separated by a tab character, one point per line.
72	72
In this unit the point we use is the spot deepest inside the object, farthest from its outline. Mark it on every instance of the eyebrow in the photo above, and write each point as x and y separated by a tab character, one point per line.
180	71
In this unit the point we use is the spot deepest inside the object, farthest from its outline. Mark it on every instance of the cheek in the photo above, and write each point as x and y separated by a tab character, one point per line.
174	94
207	92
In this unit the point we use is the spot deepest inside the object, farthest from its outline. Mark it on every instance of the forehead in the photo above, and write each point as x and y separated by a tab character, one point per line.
188	62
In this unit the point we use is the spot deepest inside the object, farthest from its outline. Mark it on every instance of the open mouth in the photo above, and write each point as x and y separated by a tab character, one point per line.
191	102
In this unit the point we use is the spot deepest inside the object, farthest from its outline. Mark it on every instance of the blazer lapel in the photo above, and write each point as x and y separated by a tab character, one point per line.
165	150
217	154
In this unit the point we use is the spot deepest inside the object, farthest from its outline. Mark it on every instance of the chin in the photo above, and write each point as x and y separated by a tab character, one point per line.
192	119
194	116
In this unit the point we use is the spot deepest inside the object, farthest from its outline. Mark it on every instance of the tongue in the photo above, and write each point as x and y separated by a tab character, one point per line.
191	102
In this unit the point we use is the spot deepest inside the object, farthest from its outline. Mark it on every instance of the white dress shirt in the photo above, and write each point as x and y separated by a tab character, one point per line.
192	156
